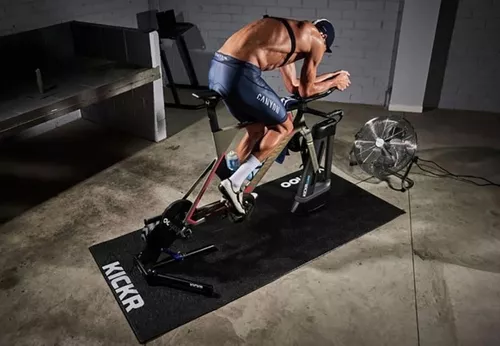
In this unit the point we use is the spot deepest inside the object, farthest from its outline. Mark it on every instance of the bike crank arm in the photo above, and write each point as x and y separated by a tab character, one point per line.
218	208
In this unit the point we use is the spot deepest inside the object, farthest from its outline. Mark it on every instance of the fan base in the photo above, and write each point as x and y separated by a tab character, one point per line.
406	183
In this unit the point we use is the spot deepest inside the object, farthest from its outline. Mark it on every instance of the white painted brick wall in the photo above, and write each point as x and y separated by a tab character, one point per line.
473	69
364	46
22	15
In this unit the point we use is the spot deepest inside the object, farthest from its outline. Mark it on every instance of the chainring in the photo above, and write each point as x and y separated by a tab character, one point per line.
163	234
173	217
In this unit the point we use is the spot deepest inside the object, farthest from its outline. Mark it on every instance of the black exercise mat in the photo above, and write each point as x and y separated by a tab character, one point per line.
251	254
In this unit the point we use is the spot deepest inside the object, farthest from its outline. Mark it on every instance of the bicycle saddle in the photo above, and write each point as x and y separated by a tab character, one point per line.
207	95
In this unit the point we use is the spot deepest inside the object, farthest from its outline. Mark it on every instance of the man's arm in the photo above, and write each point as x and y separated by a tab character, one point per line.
289	74
310	84
329	75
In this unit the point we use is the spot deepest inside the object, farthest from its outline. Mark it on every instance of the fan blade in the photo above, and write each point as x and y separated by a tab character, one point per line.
361	141
373	132
387	153
394	135
369	156
402	144
385	126
370	148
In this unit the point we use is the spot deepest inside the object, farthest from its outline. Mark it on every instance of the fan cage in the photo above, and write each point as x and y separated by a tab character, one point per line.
385	145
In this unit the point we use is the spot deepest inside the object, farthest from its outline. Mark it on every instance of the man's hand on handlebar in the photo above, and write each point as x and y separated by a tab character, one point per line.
340	80
335	80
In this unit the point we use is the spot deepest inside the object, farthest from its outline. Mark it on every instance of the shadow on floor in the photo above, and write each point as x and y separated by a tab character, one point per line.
36	169
178	119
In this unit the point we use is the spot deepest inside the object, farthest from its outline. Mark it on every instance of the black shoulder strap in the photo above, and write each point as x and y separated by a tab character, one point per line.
290	32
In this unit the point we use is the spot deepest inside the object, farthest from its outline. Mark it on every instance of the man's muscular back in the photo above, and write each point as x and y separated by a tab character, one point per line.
266	42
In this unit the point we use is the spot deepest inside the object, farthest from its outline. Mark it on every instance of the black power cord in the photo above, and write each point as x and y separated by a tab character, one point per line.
447	174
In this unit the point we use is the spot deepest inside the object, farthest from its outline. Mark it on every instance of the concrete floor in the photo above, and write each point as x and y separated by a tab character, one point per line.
430	277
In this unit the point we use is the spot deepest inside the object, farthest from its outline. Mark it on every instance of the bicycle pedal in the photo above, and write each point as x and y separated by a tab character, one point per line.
253	194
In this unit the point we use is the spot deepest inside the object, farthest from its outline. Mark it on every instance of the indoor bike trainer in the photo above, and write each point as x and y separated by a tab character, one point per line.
177	221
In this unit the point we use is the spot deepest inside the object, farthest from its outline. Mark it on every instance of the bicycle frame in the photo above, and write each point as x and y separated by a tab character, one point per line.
223	138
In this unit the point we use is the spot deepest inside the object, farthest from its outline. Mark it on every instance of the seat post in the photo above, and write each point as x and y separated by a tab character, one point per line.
212	115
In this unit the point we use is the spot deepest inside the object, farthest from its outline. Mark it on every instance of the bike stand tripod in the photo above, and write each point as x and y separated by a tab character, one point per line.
154	277
153	272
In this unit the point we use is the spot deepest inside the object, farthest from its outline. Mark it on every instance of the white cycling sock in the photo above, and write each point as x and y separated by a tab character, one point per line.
238	177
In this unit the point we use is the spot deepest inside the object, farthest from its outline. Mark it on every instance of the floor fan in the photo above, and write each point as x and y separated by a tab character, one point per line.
386	146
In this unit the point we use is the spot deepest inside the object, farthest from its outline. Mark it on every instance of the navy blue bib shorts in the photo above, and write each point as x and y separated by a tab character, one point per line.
246	95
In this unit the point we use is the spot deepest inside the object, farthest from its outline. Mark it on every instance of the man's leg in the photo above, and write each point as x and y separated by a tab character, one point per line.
249	163
265	146
254	133
257	101
255	148
260	140
272	138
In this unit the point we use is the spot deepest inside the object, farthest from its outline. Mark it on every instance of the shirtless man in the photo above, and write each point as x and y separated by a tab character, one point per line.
235	73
